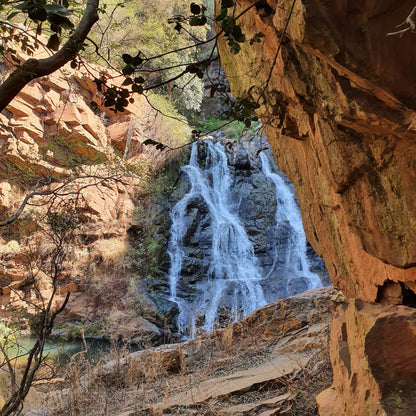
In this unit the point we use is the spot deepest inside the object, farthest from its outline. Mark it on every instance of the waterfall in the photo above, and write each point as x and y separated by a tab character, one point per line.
296	263
233	277
236	236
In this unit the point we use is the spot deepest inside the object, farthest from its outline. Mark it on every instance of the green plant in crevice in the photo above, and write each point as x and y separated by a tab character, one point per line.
149	240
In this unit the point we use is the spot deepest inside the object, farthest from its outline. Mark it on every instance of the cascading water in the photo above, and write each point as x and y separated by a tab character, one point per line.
236	239
233	277
296	263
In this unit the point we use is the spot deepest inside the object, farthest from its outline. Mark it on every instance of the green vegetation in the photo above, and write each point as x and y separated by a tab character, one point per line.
150	240
169	126
71	151
126	25
233	129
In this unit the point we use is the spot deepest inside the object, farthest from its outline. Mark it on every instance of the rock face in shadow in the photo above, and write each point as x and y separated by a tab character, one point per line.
374	361
338	106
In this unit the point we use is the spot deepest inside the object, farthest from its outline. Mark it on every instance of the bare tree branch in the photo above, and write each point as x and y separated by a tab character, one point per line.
409	22
34	68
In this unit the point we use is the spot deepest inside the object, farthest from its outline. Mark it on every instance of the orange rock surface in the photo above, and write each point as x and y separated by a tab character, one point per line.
51	133
338	112
338	107
373	357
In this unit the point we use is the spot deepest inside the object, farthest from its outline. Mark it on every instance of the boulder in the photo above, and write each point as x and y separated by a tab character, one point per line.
374	361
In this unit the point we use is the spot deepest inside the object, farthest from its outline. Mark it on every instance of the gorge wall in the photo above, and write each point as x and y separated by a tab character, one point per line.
51	138
337	102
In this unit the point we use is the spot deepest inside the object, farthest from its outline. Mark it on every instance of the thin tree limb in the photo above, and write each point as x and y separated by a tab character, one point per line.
35	68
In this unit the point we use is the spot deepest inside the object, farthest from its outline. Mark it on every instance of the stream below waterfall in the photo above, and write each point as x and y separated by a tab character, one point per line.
236	237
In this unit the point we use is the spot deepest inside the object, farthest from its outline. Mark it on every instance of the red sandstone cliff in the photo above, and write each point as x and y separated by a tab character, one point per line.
339	114
49	132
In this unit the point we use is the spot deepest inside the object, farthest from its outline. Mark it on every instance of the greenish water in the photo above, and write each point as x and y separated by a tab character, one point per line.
58	349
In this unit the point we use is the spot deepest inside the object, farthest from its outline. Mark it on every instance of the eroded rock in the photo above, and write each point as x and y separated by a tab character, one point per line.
341	129
339	114
374	361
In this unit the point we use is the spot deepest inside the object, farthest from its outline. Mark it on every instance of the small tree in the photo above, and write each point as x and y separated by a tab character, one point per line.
58	230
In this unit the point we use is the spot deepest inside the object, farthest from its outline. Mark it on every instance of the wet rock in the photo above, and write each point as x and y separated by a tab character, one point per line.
252	197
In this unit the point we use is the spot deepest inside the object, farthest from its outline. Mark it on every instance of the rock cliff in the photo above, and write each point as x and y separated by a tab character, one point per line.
337	100
52	138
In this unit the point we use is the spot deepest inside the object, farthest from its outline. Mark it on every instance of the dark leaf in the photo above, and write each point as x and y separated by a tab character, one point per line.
137	88
122	102
238	34
128	59
195	8
214	88
58	9
128	69
178	27
24	6
127	81
137	60
235	48
222	15
150	142
111	92
227	24
109	102
227	3
59	20
139	80
73	64
119	107
56	28
99	84
53	42
124	93
38	14
198	20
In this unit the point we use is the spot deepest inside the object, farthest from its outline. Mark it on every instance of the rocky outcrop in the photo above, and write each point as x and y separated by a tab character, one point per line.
337	100
273	362
52	138
374	361
338	114
216	92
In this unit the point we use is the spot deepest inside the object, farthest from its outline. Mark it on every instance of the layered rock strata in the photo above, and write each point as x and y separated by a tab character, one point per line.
337	109
273	362
337	99
51	137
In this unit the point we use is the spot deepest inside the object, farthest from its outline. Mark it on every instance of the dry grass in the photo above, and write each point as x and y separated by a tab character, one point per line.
111	393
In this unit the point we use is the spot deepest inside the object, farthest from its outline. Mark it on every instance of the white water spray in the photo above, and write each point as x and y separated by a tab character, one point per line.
233	278
296	265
